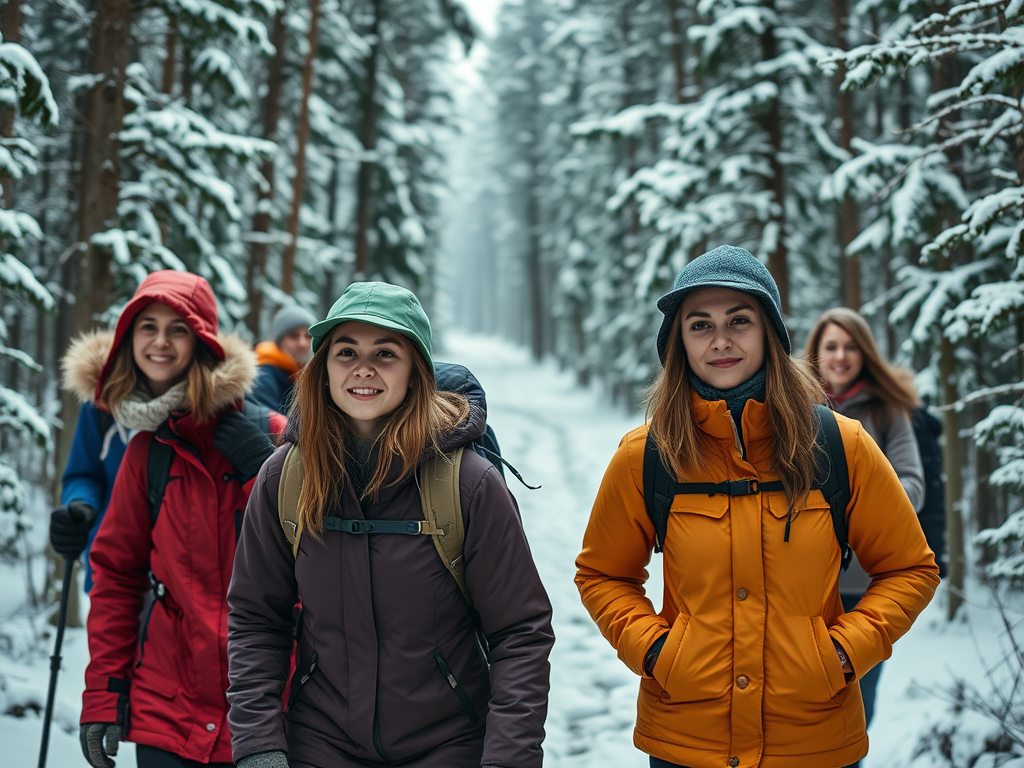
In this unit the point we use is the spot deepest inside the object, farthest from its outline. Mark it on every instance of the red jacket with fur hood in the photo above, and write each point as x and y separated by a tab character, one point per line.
175	682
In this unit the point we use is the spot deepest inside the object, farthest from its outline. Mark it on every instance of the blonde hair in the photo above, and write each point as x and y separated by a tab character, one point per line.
420	421
791	390
124	377
891	384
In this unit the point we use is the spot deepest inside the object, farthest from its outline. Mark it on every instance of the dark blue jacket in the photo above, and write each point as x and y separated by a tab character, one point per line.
273	388
96	453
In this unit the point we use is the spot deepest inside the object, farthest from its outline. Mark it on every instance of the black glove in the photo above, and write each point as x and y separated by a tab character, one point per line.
651	657
243	443
69	528
99	743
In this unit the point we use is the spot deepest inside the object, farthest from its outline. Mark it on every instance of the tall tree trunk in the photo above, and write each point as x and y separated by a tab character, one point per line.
171	56
534	257
299	179
11	16
952	466
261	221
849	226
368	165
772	124
101	176
945	76
677	50
333	184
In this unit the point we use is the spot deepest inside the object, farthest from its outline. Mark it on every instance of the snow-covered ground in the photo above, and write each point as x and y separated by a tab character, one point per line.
560	437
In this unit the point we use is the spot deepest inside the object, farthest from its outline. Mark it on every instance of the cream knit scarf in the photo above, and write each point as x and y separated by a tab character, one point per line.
145	413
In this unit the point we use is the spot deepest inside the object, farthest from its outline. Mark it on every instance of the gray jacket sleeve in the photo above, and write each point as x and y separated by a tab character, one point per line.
901	451
261	598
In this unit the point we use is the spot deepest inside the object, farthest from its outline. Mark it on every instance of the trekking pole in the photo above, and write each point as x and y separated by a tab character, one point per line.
62	619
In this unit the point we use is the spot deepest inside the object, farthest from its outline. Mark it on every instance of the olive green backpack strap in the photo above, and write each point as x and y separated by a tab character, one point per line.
442	510
288	497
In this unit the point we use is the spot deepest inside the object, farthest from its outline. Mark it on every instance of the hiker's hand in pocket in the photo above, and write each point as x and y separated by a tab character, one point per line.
99	743
69	528
243	443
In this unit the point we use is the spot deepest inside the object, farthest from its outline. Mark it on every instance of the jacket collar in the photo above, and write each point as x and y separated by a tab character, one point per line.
713	418
268	353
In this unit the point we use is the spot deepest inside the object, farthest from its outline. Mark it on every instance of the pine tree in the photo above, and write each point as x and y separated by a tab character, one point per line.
28	95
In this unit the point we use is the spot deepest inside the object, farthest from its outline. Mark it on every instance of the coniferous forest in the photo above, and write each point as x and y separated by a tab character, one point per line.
870	152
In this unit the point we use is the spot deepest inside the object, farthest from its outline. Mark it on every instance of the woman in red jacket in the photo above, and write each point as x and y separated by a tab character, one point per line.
172	379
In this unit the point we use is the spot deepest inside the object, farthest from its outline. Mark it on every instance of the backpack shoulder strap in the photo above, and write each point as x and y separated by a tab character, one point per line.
832	476
158	472
442	507
659	490
288	491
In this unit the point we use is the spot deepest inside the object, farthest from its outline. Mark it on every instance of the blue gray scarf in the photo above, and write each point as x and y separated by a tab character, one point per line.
735	398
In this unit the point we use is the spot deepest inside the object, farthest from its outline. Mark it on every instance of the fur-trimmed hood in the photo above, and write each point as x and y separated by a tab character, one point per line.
87	355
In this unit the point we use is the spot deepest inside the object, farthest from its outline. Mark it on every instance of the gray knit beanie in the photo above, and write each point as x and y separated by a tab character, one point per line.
725	267
292	316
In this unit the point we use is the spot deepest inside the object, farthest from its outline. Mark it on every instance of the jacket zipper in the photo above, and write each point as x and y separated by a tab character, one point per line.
459	690
303	680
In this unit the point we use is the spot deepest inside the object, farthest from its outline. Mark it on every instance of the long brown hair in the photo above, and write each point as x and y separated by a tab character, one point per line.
891	384
791	389
125	377
324	432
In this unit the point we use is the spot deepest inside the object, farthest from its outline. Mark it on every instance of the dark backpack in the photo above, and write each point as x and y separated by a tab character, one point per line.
161	455
158	472
831	478
927	430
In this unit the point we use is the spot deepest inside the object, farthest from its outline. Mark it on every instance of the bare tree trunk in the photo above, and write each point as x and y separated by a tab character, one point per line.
677	50
952	466
102	161
849	225
171	57
772	124
11	16
261	221
101	176
367	166
299	179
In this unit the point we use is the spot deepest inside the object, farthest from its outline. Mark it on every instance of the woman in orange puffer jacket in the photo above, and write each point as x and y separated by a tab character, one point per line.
752	660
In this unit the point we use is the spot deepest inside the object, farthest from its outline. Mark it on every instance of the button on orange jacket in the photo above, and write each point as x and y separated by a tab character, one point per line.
749	675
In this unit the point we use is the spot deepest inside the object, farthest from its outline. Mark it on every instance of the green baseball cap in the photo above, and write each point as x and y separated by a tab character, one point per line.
381	304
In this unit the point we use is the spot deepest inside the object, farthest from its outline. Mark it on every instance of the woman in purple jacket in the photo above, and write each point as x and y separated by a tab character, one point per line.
395	666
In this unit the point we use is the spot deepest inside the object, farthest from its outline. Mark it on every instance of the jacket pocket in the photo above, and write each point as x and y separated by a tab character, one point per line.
802	670
459	691
300	682
831	667
694	664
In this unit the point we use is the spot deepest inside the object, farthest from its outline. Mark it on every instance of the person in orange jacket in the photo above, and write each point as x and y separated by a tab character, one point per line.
281	360
752	660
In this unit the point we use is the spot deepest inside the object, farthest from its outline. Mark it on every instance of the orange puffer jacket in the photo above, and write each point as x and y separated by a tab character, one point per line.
749	675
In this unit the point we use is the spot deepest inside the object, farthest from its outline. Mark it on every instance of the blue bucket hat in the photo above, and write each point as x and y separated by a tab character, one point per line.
381	304
725	267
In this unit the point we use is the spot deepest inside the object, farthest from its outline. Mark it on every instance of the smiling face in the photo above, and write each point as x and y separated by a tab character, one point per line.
723	335
840	360
368	371
163	346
